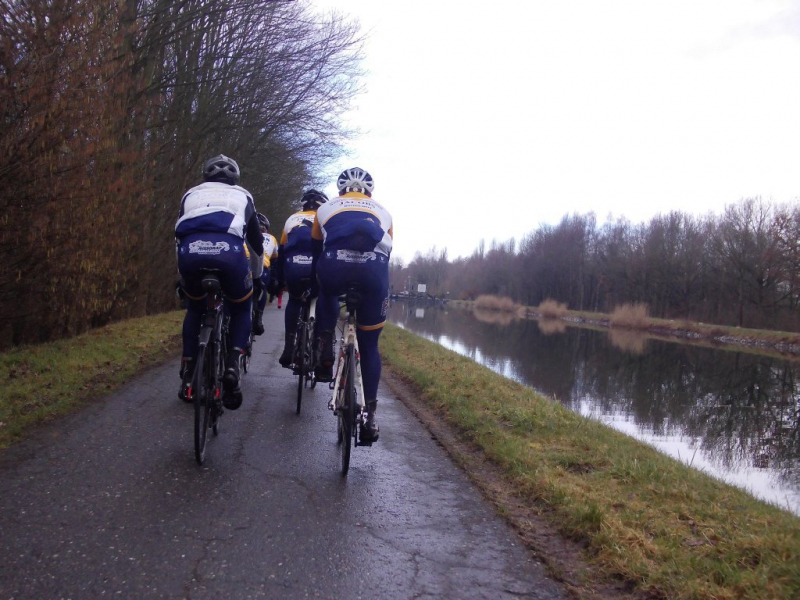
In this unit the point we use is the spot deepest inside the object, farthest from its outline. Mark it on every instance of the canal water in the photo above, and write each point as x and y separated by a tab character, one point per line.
733	414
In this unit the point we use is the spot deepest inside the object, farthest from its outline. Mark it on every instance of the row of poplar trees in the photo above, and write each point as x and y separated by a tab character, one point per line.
740	267
108	111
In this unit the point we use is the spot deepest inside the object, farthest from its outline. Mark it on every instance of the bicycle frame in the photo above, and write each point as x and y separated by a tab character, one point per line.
348	337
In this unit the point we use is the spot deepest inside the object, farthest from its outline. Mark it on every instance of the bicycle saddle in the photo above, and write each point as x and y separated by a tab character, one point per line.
210	282
352	298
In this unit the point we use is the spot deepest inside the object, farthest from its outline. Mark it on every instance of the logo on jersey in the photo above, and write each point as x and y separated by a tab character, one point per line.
205	247
351	256
300	259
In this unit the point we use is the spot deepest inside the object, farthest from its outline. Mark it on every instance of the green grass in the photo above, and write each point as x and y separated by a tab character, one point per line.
668	530
43	381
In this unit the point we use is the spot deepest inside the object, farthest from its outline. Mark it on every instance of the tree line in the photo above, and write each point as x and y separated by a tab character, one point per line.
109	109
741	267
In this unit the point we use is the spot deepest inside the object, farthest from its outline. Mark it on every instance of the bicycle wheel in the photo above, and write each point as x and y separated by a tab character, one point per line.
201	393
301	363
245	360
311	377
347	411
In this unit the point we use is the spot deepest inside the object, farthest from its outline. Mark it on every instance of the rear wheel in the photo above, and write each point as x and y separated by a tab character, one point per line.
347	411
300	363
202	394
245	360
311	378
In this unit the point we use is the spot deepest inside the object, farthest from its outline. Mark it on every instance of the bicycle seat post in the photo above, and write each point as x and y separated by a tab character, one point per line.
352	300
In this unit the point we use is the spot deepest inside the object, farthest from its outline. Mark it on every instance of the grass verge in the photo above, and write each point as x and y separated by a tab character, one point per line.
47	380
667	530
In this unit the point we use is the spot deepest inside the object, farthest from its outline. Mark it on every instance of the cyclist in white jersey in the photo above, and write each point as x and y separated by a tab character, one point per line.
215	220
353	237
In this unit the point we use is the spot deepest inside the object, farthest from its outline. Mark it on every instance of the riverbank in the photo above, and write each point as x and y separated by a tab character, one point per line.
780	342
640	518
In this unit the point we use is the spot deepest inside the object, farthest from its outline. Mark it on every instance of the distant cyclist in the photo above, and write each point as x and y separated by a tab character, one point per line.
353	240
215	219
270	256
295	253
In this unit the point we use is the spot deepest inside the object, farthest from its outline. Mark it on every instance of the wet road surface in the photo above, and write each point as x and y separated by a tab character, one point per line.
109	502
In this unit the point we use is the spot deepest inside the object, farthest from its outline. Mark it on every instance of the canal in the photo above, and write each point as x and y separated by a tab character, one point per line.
732	414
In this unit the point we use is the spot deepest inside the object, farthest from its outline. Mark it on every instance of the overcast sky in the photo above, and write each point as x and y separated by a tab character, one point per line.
485	119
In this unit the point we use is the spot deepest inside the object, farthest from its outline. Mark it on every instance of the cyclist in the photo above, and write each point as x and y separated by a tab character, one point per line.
270	255
352	242
296	257
216	218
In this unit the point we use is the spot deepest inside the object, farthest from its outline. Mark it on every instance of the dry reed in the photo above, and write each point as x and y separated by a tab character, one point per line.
631	316
490	302
551	309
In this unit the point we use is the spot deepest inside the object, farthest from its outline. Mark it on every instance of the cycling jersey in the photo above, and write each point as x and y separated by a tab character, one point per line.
354	222
296	236
215	207
270	249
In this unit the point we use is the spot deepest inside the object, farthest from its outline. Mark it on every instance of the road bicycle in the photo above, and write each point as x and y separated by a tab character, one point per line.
304	357
347	401
244	361
206	388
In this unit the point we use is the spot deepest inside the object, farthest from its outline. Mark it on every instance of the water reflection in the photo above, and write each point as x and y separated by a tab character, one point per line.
551	326
733	414
628	341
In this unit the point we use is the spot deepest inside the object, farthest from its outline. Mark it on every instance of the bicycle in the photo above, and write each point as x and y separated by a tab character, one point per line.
206	388
304	357
244	361
347	401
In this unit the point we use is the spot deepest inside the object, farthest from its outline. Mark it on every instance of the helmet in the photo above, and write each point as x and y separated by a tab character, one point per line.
313	199
263	221
221	168
355	180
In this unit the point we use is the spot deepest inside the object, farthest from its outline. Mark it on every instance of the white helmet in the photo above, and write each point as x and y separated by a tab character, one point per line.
355	180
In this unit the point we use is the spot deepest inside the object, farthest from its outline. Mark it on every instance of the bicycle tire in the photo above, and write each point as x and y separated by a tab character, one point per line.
301	364
216	383
347	411
202	403
245	360
311	378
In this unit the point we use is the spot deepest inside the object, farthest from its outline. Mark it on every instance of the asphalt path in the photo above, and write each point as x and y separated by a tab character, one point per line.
110	502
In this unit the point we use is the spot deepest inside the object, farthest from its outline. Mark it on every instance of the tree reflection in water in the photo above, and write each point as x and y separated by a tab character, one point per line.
551	326
738	411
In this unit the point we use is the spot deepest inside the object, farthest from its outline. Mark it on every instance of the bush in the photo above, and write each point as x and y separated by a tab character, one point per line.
632	316
489	302
551	309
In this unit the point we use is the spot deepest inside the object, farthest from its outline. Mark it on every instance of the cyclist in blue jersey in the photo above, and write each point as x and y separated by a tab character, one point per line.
295	257
216	217
270	257
353	237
